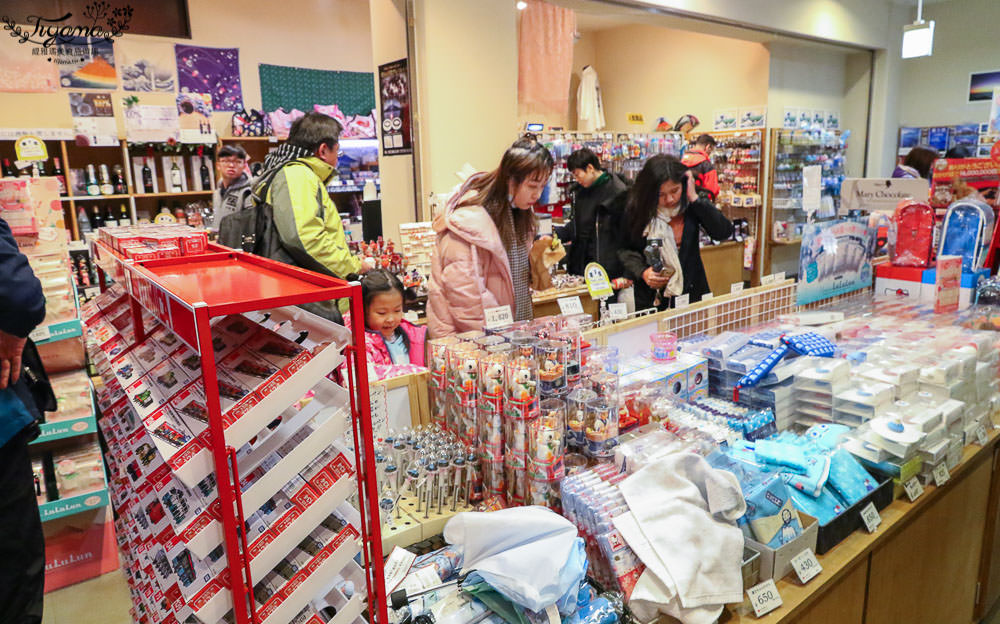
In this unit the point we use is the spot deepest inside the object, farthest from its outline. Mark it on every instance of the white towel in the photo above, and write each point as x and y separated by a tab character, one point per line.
686	511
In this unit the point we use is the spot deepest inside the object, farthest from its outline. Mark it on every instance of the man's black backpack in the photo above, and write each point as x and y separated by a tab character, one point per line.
253	230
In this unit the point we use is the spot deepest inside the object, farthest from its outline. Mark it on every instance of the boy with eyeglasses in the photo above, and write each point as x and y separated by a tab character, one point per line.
235	184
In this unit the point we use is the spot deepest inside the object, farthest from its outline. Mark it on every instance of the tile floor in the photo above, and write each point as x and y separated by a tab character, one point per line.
101	600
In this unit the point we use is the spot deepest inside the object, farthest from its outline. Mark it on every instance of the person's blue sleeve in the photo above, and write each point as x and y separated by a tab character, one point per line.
22	304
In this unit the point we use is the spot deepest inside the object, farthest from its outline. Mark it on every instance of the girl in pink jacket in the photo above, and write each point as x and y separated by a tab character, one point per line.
393	345
483	235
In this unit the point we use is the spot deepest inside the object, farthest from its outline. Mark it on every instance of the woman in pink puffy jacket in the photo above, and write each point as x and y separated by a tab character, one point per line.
483	236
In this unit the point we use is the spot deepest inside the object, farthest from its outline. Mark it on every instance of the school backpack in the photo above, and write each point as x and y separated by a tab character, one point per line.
967	230
913	222
706	178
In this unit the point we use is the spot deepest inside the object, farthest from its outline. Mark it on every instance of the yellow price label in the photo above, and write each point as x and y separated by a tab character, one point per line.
635	118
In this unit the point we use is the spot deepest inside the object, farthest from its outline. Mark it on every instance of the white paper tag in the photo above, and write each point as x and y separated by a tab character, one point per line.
869	515
617	311
764	597
707	296
682	301
570	305
397	566
767	279
940	474
40	333
981	436
498	317
913	489
806	565
779	276
735	288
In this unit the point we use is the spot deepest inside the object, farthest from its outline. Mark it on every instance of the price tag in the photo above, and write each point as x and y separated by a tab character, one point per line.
913	489
617	311
707	296
40	333
869	515
764	597
498	317
767	279
981	437
940	474
682	301
570	305
806	565
736	288
779	277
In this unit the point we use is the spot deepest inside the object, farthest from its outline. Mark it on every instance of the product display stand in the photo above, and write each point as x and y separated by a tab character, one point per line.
184	295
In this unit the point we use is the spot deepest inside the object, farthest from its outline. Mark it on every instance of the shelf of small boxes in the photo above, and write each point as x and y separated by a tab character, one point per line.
295	471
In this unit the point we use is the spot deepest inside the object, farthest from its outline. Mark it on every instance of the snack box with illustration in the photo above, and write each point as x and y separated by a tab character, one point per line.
73	396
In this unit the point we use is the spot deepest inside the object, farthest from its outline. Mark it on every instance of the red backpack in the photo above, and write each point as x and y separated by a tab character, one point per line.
914	225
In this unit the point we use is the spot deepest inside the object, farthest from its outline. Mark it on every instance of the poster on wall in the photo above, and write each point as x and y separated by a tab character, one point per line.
908	137
151	124
93	118
753	117
835	259
805	119
790	121
394	92
87	63
818	119
215	71
147	67
994	122
24	72
937	138
727	119
194	118
981	85
833	120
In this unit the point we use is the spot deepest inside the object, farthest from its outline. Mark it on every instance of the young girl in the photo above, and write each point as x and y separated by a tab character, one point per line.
393	345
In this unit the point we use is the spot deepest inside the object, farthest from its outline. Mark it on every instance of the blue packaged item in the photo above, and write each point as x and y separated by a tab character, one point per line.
814	478
770	338
826	435
724	345
824	507
770	513
848	478
968	226
781	454
746	359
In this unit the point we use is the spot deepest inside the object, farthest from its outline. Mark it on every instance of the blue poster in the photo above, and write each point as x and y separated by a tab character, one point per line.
909	136
836	258
965	134
938	138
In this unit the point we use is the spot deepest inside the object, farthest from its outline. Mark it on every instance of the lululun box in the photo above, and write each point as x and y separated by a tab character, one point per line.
776	563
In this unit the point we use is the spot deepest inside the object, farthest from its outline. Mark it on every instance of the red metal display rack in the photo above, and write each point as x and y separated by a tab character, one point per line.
185	294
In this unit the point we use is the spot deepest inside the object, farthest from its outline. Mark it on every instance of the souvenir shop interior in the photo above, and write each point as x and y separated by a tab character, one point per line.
272	407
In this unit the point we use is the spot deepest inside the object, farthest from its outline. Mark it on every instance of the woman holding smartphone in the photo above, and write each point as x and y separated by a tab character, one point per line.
663	219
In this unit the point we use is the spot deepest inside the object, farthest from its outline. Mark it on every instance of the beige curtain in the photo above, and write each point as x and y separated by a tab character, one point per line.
545	56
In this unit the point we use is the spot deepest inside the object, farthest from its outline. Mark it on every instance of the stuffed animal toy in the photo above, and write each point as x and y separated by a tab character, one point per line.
544	254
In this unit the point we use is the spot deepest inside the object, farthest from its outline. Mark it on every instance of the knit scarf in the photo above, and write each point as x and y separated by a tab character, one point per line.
285	153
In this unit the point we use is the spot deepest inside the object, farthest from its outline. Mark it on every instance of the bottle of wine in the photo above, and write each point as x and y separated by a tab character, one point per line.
118	180
175	178
8	169
36	172
206	179
123	216
92	187
98	220
147	177
60	175
109	217
106	187
83	221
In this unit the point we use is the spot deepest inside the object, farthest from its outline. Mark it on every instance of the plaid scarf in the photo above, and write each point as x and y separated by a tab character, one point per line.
520	272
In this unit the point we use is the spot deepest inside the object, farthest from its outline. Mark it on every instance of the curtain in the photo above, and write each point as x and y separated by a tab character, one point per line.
545	56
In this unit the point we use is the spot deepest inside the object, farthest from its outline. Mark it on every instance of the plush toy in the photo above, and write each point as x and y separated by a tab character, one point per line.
543	255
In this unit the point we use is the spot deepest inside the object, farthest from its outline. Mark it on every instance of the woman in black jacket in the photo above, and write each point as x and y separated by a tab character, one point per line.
663	204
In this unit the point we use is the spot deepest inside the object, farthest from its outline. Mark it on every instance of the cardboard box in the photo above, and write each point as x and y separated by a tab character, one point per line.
776	563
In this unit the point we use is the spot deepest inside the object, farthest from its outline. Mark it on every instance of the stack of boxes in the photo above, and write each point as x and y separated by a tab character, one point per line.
151	242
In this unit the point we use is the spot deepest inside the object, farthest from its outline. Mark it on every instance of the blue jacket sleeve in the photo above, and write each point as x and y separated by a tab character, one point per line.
22	304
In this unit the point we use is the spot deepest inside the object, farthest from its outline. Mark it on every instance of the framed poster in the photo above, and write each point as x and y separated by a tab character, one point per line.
981	85
394	91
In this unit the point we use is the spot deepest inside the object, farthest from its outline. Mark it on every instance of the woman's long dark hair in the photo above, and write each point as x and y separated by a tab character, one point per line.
644	196
525	159
921	158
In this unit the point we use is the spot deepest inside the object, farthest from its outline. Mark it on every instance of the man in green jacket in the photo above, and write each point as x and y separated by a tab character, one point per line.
305	217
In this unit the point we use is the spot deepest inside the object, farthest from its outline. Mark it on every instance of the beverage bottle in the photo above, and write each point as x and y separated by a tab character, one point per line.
175	178
83	221
92	187
206	179
8	169
123	216
118	180
147	177
106	188
60	175
109	217
98	220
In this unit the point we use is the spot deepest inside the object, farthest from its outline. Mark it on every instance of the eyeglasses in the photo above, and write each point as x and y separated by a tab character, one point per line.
232	162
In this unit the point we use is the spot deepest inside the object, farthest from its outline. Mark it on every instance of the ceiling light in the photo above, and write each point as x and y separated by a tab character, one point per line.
918	37
521	5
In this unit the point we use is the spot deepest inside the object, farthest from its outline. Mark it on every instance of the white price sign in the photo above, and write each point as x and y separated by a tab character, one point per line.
869	515
806	565
940	474
764	597
913	489
736	288
498	317
767	279
40	333
682	301
570	305
981	437
707	296
780	276
617	311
